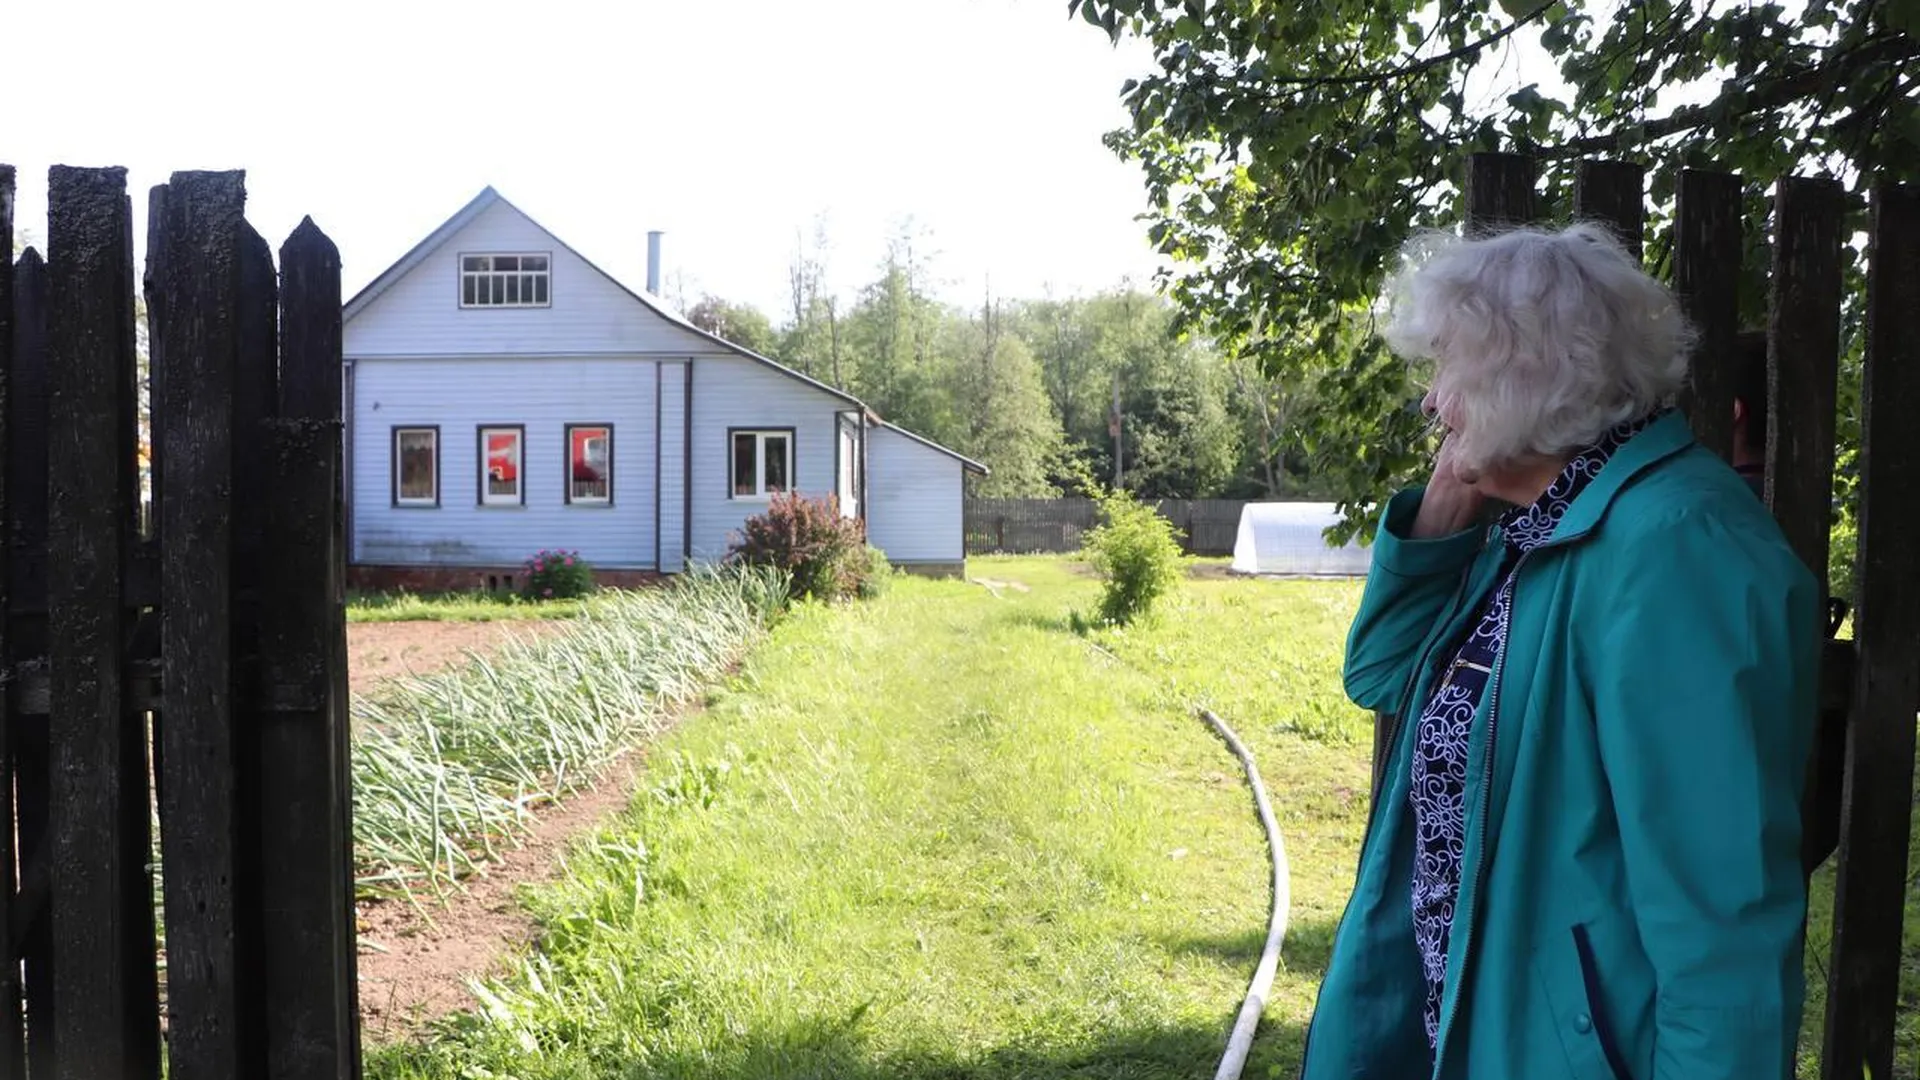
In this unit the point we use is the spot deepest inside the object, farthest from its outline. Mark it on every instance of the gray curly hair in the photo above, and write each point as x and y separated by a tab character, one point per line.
1541	340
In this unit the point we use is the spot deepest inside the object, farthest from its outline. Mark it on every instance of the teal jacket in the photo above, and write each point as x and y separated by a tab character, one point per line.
1631	902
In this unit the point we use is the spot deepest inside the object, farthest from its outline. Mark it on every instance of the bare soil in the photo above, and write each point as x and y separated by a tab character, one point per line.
415	960
384	650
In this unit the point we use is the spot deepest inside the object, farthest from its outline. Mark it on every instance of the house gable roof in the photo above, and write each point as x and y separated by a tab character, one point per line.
488	197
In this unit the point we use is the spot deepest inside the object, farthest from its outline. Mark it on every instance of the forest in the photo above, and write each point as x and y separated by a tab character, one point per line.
1038	388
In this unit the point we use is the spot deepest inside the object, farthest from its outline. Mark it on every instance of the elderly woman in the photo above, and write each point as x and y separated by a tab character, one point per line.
1584	861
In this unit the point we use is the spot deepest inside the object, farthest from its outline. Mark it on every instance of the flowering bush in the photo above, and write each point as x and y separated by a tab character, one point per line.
823	553
557	575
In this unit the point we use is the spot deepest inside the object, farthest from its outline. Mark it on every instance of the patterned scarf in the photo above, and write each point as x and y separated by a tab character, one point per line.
1446	724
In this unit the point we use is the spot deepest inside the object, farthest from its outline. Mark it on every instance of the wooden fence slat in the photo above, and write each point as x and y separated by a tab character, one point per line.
309	962
26	467
1614	193
1803	365
256	389
1707	254
27	455
89	333
201	283
13	1062
1864	977
1021	526
1500	191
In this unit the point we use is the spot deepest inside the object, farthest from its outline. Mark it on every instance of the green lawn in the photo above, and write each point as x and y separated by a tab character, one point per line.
453	607
939	835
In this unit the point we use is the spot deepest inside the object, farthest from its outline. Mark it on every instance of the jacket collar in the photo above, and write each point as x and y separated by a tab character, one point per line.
1658	441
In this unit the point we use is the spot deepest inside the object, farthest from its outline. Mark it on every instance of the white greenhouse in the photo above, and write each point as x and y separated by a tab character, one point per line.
1288	539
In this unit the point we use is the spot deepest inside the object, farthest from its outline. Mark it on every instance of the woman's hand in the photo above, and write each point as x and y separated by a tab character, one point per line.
1450	503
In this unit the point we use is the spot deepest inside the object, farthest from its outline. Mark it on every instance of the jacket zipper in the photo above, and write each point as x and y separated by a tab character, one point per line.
1373	808
1484	802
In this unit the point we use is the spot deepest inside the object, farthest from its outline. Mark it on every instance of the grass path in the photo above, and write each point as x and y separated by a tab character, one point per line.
939	835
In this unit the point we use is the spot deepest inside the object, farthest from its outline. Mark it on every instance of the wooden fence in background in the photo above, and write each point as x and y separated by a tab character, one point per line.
1860	792
210	630
1027	526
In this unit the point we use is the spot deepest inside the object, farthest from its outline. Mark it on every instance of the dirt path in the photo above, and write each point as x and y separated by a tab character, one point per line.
414	962
414	969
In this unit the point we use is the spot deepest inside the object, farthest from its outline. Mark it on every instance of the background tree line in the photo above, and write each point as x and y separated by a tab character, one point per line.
1030	386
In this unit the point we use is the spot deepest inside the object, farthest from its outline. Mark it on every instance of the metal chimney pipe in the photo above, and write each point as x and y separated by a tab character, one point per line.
653	262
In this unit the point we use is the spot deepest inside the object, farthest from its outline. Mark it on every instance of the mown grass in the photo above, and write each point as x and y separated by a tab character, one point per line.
940	835
455	607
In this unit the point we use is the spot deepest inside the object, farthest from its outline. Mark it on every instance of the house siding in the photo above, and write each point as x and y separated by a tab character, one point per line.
914	500
734	392
673	466
542	394
420	314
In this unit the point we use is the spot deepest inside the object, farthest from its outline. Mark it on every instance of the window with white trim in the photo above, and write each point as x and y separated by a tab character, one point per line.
762	463
416	466
496	281
501	477
590	464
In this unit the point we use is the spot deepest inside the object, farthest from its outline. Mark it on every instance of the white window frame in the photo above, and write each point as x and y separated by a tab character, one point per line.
760	437
574	498
519	496
481	270
433	435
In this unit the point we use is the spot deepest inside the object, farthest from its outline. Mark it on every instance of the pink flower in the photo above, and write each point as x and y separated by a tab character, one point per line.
549	592
569	560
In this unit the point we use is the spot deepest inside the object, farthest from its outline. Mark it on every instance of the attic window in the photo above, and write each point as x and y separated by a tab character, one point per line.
496	281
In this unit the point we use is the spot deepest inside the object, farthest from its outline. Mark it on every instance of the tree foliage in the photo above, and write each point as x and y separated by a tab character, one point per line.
1030	387
742	324
1289	149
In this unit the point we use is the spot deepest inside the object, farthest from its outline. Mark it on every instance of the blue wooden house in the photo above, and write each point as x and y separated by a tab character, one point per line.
503	395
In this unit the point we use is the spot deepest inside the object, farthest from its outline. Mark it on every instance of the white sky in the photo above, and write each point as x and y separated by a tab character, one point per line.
732	126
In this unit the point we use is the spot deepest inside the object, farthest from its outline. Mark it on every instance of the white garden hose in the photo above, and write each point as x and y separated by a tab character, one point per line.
1241	1040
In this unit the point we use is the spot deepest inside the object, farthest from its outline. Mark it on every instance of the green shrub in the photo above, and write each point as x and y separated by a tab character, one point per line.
557	575
1137	554
878	577
823	554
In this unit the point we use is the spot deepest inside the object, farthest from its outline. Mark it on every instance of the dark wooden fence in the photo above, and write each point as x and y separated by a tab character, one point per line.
210	631
1026	526
1860	791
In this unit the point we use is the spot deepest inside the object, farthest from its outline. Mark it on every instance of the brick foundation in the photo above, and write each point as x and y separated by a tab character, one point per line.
442	579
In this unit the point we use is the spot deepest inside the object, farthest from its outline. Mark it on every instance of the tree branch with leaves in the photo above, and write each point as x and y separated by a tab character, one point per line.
1289	150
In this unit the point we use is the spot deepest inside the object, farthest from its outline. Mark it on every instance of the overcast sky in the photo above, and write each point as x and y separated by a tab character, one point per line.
733	126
